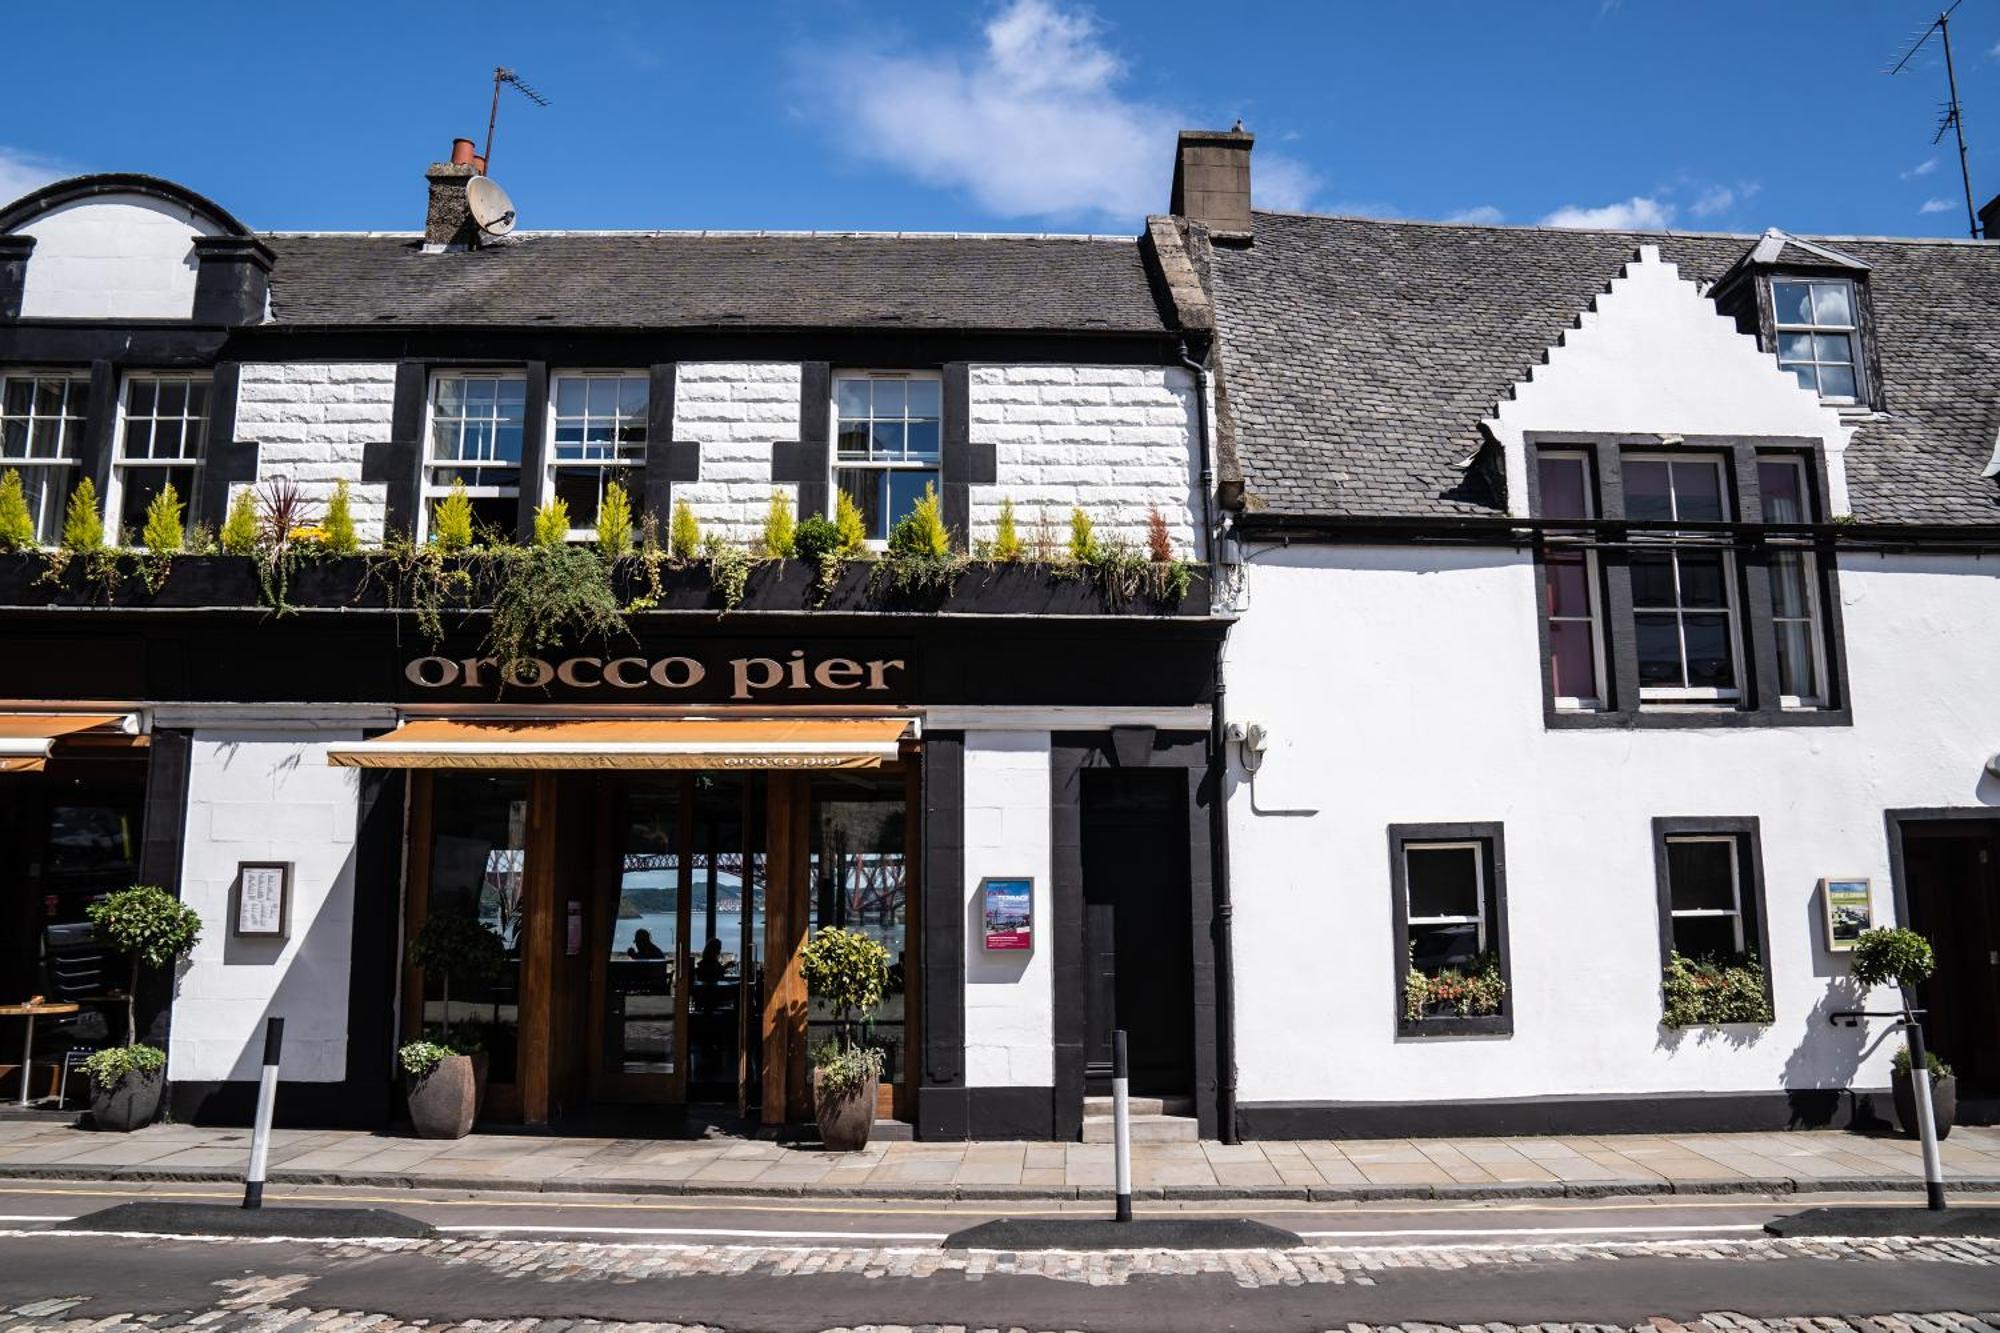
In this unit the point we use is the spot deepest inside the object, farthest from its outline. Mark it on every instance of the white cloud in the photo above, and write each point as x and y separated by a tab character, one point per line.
1715	199
1283	183
1923	168
1638	213
1485	214
1033	123
1937	206
22	171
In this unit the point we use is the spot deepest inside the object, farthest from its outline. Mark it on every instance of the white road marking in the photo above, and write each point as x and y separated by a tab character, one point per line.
1529	1231
584	1229
36	1217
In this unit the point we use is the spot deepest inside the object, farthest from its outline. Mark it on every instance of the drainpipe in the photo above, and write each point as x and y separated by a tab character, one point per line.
1218	776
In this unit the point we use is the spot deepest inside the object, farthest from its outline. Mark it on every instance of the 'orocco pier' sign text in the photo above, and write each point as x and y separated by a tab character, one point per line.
796	674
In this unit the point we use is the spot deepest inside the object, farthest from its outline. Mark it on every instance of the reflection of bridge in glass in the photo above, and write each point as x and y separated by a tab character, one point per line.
873	881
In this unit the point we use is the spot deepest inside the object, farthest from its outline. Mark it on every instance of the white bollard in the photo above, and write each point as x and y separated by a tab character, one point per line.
267	1099
1121	1127
1920	1092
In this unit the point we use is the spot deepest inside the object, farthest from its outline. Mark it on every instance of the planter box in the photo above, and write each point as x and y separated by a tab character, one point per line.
194	582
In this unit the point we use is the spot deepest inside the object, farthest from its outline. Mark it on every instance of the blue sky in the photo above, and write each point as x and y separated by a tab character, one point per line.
1018	114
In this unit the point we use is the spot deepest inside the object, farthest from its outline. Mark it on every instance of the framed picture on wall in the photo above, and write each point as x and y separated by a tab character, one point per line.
1008	910
1850	909
263	900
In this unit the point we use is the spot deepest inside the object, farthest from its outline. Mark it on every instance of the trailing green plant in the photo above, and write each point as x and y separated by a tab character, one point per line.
152	928
1707	992
419	1058
239	527
849	972
614	523
337	529
1891	956
684	533
847	518
1083	546
1007	546
779	528
163	533
843	1069
921	533
453	945
728	570
1476	990
17	525
552	523
83	525
110	1066
1901	1065
548	595
451	521
422	577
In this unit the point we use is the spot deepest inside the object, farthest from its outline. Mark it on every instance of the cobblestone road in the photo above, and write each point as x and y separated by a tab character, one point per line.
280	1283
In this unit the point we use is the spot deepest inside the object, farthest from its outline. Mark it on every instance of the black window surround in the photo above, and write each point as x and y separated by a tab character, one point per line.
1750	882
1493	849
1758	702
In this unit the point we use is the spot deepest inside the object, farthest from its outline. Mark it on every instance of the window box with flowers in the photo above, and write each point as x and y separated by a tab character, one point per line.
1450	907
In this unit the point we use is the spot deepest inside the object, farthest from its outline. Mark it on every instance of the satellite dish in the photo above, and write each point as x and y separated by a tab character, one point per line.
490	206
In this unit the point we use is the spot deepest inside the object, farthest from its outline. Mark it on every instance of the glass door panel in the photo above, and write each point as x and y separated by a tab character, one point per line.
720	914
859	877
648	936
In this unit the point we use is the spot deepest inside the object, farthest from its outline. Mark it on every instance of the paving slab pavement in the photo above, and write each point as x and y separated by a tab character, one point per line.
1584	1166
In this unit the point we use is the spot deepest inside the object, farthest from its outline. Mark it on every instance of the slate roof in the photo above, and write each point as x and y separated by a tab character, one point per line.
702	280
1360	355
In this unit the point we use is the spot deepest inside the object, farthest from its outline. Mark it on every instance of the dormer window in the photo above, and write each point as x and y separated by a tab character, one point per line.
1818	335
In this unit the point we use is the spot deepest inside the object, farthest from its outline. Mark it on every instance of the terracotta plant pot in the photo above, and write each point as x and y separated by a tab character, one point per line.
847	1117
1944	1103
130	1103
442	1102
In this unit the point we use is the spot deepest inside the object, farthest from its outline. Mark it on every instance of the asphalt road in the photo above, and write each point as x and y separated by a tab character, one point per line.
751	1265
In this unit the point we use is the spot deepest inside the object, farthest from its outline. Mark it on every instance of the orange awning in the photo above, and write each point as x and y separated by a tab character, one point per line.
28	739
680	743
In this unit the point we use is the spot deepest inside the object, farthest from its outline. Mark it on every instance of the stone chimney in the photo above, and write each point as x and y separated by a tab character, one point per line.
1212	181
448	219
1989	219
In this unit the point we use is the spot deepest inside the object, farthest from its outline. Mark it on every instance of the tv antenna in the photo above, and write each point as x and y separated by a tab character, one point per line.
1952	116
501	77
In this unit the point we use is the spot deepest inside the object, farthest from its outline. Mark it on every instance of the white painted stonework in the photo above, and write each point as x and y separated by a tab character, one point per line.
1418	699
265	795
1117	440
312	423
113	256
736	411
1653	356
1009	996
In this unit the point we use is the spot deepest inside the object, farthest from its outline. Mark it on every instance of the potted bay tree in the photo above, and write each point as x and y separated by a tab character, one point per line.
849	971
1894	956
444	1085
154	930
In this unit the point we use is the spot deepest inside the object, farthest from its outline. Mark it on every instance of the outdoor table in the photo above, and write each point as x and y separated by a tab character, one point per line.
31	1010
